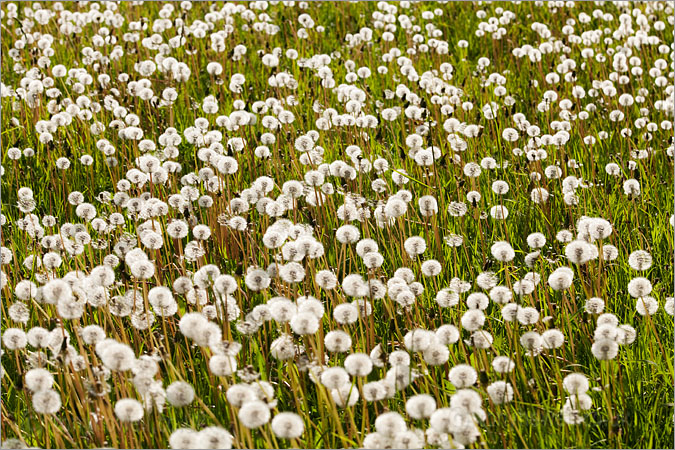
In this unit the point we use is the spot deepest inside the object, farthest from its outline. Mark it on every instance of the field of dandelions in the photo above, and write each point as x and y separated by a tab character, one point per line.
337	225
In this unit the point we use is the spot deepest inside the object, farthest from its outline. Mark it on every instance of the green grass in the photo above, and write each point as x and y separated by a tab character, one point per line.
635	411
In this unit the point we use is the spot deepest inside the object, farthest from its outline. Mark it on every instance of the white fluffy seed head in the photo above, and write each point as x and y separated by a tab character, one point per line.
502	251
118	357
605	349
594	305
561	279
640	260
576	383
222	365
334	377
46	402
254	414
447	334
418	340
503	364
646	305
389	423
500	392
462	376
552	338
214	437
288	425
184	438
180	393
447	298
431	268
473	319
39	379
358	364
415	245
420	406
129	410
639	287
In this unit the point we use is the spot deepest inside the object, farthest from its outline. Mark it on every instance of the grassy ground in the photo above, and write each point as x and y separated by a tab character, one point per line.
632	393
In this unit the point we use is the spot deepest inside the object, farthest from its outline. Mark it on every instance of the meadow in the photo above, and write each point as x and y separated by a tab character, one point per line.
302	224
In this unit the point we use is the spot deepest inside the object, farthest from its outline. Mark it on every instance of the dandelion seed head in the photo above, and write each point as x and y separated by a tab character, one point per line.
239	394
38	380
420	406
561	279
594	305
473	319
536	240
129	410
418	340
222	365
19	312
499	212
47	402
502	251
399	358
576	383
375	440
408	439
509	311
477	300
500	392
389	423
580	252
640	260
552	339
334	377
337	341
580	402
358	364
626	334
288	425
180	393
214	437
487	280
605	349
639	287
415	246
183	438
345	396
345	313
117	356
527	315
283	348
431	268
609	252
257	279
462	376
92	334
501	294
254	414
502	364
646	305
447	334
